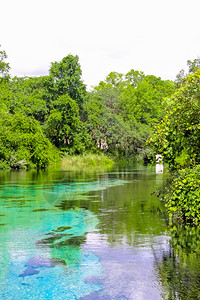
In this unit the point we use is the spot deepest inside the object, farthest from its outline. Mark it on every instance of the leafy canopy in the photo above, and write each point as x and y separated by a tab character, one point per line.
177	137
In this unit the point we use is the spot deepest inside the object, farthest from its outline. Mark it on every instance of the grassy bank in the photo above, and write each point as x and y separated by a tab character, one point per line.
90	160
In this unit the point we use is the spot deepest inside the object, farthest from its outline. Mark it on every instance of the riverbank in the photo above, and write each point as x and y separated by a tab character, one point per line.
89	159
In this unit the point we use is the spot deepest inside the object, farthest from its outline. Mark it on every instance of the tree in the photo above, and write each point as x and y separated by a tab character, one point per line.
144	104
22	142
193	66
66	76
115	79
180	78
64	128
133	77
111	128
177	137
4	67
27	96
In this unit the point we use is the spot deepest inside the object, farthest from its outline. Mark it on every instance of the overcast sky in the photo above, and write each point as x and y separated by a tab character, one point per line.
153	36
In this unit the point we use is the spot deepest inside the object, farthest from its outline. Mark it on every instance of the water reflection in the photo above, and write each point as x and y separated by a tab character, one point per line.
180	266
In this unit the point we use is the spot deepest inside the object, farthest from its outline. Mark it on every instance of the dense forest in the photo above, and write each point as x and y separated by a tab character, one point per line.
44	117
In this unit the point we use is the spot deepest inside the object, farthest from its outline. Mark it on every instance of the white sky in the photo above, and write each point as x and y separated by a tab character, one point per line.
153	36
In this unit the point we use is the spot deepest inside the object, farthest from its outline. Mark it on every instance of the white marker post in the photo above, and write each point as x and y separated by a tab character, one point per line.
159	163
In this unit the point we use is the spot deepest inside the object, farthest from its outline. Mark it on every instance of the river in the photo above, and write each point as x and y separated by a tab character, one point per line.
87	234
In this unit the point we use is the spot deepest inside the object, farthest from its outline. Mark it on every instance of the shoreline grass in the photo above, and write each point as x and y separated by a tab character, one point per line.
86	160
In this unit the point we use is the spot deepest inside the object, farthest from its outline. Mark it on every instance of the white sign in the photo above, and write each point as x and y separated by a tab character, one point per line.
159	163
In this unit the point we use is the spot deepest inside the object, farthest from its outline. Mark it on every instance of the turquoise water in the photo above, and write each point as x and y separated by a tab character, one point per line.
84	234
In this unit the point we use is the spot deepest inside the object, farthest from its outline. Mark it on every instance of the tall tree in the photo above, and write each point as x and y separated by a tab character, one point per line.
133	77
4	67
115	79
66	75
193	66
144	103
64	128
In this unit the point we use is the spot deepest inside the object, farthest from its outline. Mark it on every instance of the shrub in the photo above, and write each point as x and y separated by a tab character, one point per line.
183	196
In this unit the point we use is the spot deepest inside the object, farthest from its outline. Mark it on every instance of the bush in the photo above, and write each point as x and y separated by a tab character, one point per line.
183	196
23	144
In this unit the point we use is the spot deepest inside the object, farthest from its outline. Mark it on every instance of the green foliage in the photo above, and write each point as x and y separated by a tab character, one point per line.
110	130
115	79
149	94
193	65
178	136
22	143
26	95
66	76
117	117
183	196
64	127
181	77
4	67
134	77
122	111
48	99
145	104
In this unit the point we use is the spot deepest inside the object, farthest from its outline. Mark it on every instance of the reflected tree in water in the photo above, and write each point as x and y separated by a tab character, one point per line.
180	267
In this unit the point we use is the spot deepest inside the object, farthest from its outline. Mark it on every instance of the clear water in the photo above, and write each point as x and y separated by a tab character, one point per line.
84	234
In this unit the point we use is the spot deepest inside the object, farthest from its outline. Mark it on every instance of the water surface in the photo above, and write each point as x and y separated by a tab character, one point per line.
84	234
